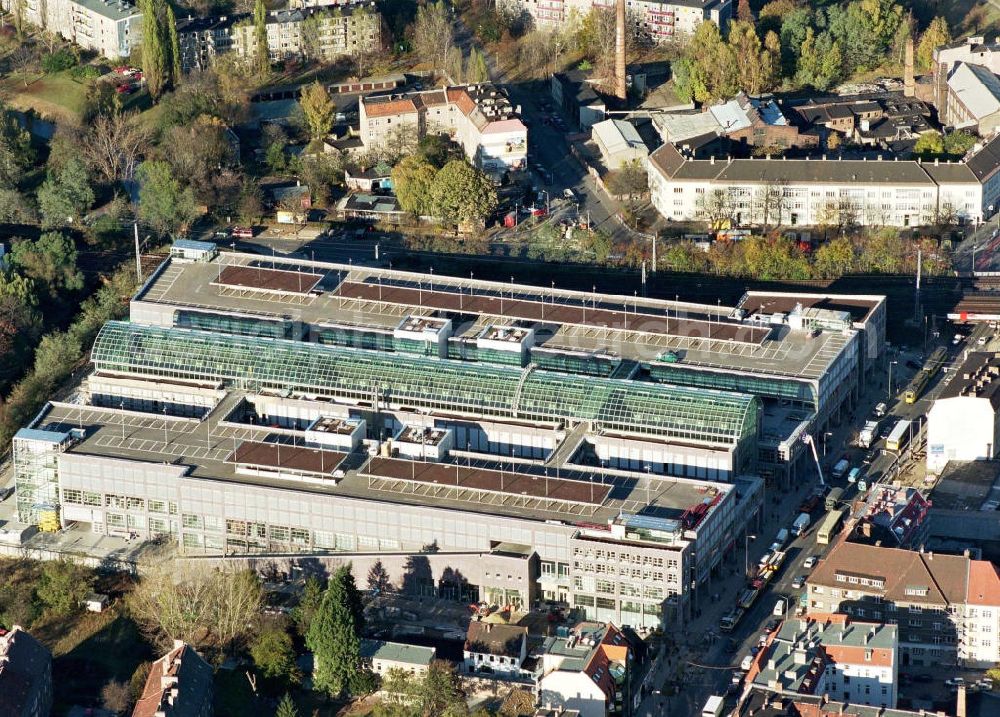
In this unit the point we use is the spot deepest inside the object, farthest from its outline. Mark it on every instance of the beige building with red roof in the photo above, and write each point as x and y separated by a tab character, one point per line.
479	118
179	685
947	607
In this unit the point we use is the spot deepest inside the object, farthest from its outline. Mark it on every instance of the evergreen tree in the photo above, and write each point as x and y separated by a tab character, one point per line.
175	47
378	579
334	637
154	53
312	596
287	708
262	57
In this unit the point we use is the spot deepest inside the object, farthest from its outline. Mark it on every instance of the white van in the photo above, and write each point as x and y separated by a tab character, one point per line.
779	609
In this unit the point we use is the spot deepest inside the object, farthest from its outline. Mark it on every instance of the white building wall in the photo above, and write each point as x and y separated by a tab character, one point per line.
980	646
860	683
573	691
962	428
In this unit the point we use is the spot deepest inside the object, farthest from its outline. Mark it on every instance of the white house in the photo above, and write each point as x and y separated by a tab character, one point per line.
495	649
382	656
962	423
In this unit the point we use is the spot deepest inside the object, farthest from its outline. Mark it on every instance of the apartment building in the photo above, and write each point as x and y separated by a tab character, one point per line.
882	192
480	118
660	20
972	50
846	659
946	607
321	33
25	675
108	27
179	685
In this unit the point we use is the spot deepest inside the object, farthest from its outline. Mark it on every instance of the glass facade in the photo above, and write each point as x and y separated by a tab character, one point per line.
240	325
631	407
781	387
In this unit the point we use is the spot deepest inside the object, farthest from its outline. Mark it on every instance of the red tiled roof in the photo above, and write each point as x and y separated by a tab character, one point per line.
984	583
392	107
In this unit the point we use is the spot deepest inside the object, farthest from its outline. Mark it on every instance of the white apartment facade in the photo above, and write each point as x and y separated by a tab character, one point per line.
479	118
825	191
108	27
659	20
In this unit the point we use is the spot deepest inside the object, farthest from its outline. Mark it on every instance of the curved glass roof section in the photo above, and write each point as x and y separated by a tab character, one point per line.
258	363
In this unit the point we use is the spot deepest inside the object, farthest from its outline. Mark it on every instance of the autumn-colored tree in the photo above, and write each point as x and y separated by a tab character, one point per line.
936	35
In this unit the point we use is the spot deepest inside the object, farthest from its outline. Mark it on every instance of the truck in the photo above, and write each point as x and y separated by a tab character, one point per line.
780	540
868	434
713	707
729	621
840	469
834	497
747	598
801	524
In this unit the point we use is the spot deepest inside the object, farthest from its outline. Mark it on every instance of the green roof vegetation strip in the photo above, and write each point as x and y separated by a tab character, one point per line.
259	363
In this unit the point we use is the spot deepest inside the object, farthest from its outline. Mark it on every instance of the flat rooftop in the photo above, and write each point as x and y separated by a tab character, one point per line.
707	336
533	492
965	485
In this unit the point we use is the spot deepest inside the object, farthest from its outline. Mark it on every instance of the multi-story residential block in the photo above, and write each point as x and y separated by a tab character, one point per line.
660	20
596	670
108	27
179	685
25	675
821	191
322	33
833	655
480	118
947	607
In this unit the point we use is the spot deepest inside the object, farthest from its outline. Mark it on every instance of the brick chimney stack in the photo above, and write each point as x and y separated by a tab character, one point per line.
620	89
909	84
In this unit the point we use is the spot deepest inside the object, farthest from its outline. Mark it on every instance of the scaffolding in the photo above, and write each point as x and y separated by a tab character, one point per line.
36	475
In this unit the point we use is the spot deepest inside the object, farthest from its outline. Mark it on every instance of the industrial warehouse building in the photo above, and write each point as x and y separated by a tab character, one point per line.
600	451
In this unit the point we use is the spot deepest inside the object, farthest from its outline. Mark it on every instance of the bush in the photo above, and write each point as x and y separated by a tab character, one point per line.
58	61
85	72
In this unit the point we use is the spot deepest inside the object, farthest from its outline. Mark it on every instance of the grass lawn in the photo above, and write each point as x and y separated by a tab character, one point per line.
58	96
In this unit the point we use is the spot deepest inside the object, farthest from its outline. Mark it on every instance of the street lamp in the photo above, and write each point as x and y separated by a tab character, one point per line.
826	434
891	364
746	553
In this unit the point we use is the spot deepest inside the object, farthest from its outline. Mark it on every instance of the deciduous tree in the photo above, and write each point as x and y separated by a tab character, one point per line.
432	34
50	261
274	655
461	193
113	145
155	52
64	585
262	53
164	204
318	109
936	35
412	179
65	195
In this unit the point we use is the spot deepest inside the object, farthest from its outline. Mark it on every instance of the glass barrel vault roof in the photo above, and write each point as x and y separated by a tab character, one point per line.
633	407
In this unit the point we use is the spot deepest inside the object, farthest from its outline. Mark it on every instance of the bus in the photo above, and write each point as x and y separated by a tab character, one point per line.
830	526
924	376
833	497
898	437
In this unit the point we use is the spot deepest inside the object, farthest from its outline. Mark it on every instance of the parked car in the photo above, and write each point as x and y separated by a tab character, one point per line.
955	682
809	563
747	663
798	582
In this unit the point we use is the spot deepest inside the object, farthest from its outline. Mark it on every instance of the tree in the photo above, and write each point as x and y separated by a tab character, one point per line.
476	70
461	193
412	179
286	708
201	606
262	54
65	196
164	204
50	261
628	180
432	34
334	638
16	153
959	142
115	697
312	596
743	11
318	109
154	49
175	47
64	585
114	144
834	258
929	144
274	655
378	579
716	208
